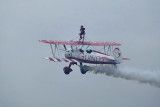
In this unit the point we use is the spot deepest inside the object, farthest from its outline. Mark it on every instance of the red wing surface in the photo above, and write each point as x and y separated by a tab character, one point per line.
81	43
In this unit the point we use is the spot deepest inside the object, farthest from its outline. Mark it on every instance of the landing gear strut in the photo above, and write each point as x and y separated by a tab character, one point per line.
68	69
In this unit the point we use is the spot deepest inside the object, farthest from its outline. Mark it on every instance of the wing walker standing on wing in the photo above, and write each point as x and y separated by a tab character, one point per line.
81	52
82	34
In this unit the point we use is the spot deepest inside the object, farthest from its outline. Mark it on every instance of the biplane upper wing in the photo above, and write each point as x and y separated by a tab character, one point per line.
80	43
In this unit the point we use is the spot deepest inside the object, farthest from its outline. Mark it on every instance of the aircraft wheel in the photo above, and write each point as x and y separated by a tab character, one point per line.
83	71
67	70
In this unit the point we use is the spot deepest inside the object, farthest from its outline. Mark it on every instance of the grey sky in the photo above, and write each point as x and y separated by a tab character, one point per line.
26	80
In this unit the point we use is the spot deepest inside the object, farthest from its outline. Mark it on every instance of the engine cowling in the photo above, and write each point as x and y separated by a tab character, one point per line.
67	70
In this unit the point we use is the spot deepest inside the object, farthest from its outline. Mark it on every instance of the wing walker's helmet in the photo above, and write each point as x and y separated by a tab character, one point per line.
82	26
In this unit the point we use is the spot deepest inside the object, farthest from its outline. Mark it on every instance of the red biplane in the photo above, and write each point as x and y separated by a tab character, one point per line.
82	52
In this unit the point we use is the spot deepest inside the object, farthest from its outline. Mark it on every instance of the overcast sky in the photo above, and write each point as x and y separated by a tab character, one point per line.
26	80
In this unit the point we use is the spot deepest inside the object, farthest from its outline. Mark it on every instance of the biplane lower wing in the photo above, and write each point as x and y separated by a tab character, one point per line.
80	43
61	59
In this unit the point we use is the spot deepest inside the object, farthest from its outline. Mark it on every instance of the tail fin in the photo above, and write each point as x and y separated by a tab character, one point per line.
117	55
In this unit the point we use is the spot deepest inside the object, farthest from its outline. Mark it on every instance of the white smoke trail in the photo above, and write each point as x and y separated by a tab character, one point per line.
142	76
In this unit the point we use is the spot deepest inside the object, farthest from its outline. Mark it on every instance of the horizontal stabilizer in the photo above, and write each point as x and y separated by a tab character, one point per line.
126	59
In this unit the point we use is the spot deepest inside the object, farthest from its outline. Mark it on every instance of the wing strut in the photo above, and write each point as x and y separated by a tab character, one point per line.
52	50
71	47
104	49
109	50
87	47
55	49
65	47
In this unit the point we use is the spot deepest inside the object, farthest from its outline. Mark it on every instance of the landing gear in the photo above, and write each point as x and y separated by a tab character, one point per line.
84	68
68	69
83	71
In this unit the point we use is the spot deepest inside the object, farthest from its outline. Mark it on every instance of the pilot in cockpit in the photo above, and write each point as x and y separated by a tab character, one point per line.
80	50
89	51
